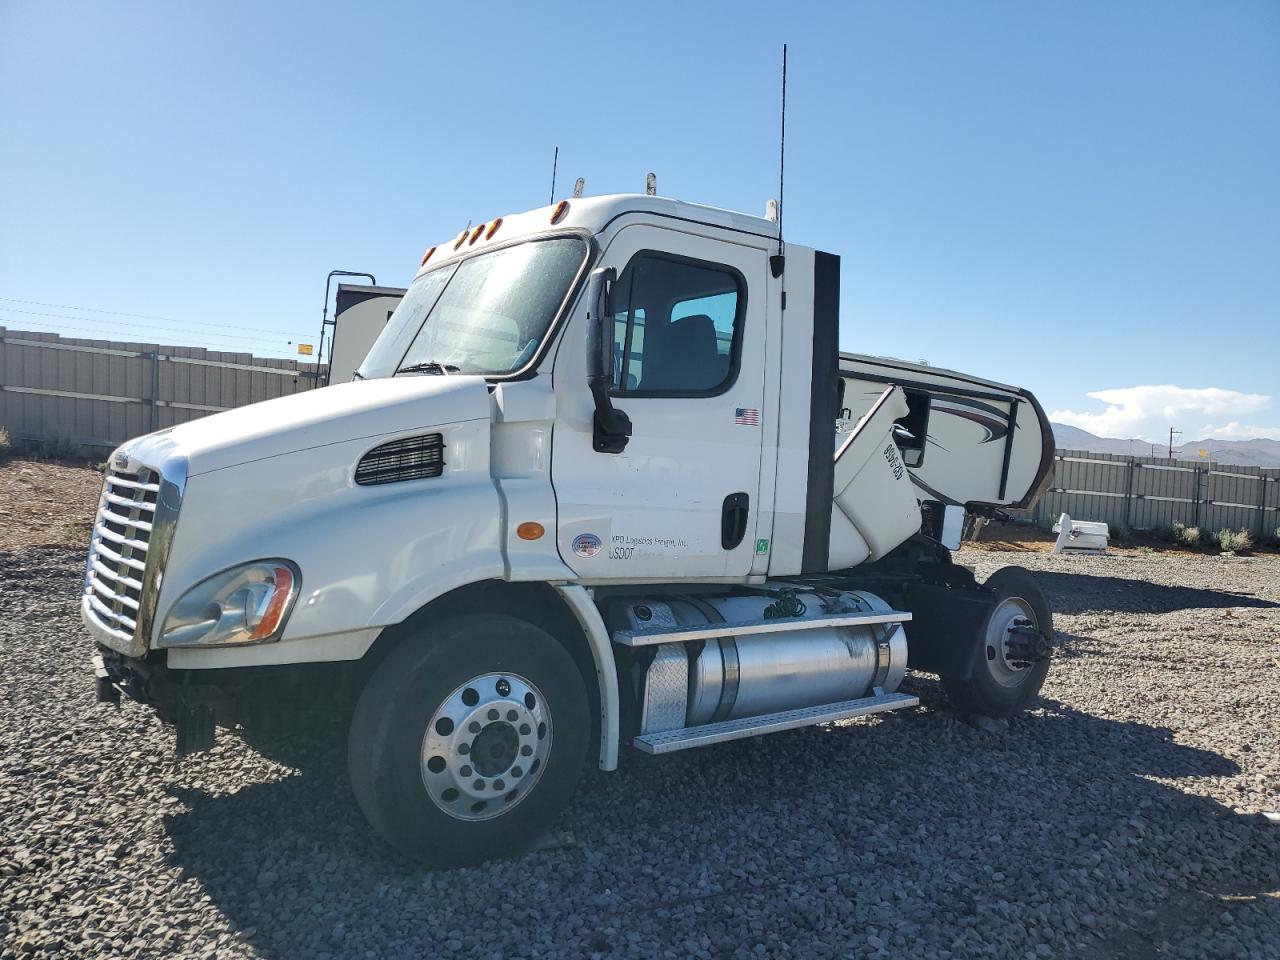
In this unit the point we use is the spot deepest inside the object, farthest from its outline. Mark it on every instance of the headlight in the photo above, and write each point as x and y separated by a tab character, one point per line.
246	604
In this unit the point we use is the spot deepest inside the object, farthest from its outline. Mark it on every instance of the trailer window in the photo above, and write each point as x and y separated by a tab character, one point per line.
677	326
914	428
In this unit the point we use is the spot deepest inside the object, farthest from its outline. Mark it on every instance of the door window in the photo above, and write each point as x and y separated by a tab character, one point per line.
677	326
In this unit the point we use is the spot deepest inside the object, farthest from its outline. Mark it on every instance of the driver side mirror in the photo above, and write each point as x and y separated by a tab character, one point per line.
612	427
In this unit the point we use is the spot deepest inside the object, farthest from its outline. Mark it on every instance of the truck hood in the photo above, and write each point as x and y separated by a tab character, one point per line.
348	411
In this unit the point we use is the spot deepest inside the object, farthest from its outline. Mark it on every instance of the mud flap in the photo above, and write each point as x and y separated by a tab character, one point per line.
944	621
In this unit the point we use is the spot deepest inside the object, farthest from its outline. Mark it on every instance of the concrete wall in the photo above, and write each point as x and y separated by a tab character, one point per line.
99	393
1145	493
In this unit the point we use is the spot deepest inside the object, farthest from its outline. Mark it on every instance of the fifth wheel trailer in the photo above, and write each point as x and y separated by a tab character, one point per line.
590	488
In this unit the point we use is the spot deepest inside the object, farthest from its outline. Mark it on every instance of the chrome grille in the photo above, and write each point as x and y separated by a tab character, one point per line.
118	549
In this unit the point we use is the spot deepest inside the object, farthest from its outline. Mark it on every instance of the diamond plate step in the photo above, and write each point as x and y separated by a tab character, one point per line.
670	741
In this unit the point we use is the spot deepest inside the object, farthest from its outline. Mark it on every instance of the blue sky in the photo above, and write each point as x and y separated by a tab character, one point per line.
1079	198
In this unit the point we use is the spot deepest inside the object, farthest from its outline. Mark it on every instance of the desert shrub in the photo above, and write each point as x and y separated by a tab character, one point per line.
1233	541
4	441
58	447
1185	536
1119	532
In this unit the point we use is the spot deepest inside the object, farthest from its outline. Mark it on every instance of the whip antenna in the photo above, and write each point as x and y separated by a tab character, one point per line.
555	161
776	263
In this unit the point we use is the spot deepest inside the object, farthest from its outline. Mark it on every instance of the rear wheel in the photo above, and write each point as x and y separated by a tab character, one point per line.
1013	648
469	739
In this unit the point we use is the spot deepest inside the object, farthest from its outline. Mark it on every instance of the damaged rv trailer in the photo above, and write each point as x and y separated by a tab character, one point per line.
970	444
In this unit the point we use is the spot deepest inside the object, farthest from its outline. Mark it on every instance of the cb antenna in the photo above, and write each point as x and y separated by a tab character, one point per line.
776	263
555	162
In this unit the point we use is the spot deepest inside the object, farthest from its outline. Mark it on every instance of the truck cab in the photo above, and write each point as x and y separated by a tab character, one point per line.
585	490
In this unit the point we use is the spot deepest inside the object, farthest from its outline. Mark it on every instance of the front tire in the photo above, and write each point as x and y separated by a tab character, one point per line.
1011	659
468	739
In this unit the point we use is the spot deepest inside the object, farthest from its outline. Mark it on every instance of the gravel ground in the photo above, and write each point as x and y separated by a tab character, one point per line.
1121	818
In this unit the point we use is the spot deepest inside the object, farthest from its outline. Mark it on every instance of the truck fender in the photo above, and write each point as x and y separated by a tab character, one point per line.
597	634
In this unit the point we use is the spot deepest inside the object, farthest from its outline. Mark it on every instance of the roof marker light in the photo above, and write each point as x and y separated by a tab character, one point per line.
461	237
493	228
475	234
558	213
427	256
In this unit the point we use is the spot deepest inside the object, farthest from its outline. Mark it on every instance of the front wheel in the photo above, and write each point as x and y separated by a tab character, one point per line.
468	739
1013	647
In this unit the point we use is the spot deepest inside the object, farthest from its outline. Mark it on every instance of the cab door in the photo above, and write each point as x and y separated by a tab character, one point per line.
681	500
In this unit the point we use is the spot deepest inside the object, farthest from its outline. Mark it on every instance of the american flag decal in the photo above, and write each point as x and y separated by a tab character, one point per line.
747	417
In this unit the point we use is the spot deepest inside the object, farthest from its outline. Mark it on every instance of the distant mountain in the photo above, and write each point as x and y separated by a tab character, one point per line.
1253	453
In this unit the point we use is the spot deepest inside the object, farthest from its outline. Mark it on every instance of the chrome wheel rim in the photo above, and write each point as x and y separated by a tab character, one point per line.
1011	615
486	746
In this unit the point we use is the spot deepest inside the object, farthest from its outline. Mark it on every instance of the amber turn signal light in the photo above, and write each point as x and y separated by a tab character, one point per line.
530	530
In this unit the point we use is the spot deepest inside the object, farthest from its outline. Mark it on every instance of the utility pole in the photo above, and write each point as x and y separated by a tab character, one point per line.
1171	433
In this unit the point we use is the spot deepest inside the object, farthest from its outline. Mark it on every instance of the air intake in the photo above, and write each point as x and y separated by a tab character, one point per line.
412	458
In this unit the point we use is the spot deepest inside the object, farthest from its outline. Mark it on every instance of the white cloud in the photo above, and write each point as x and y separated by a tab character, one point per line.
1149	412
1235	430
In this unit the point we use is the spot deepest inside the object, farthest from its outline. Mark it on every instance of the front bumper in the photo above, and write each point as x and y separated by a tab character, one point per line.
193	708
264	699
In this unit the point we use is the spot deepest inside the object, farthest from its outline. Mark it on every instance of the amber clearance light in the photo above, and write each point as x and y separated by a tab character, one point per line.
493	228
530	530
558	213
427	256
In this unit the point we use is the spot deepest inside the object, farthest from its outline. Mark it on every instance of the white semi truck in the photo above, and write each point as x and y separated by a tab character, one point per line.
603	480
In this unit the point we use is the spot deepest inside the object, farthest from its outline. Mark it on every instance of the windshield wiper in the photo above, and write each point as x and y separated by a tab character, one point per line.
430	366
357	375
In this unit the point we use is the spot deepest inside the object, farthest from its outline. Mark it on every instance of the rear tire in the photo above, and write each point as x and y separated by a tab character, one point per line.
999	685
468	739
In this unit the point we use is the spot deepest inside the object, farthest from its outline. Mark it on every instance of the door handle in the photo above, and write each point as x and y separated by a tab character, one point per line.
733	519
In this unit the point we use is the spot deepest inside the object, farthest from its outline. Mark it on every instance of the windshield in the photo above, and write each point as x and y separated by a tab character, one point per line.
487	314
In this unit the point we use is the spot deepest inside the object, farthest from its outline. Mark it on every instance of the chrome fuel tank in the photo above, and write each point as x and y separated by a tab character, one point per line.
731	677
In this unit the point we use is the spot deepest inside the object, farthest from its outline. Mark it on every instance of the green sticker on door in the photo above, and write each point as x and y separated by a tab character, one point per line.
762	546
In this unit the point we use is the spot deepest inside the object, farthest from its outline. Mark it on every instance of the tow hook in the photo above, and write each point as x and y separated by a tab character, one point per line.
105	688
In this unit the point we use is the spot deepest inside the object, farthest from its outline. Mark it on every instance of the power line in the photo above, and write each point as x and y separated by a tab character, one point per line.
118	313
196	334
150	326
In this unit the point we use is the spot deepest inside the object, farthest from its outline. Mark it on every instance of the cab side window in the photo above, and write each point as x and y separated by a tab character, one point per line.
677	326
